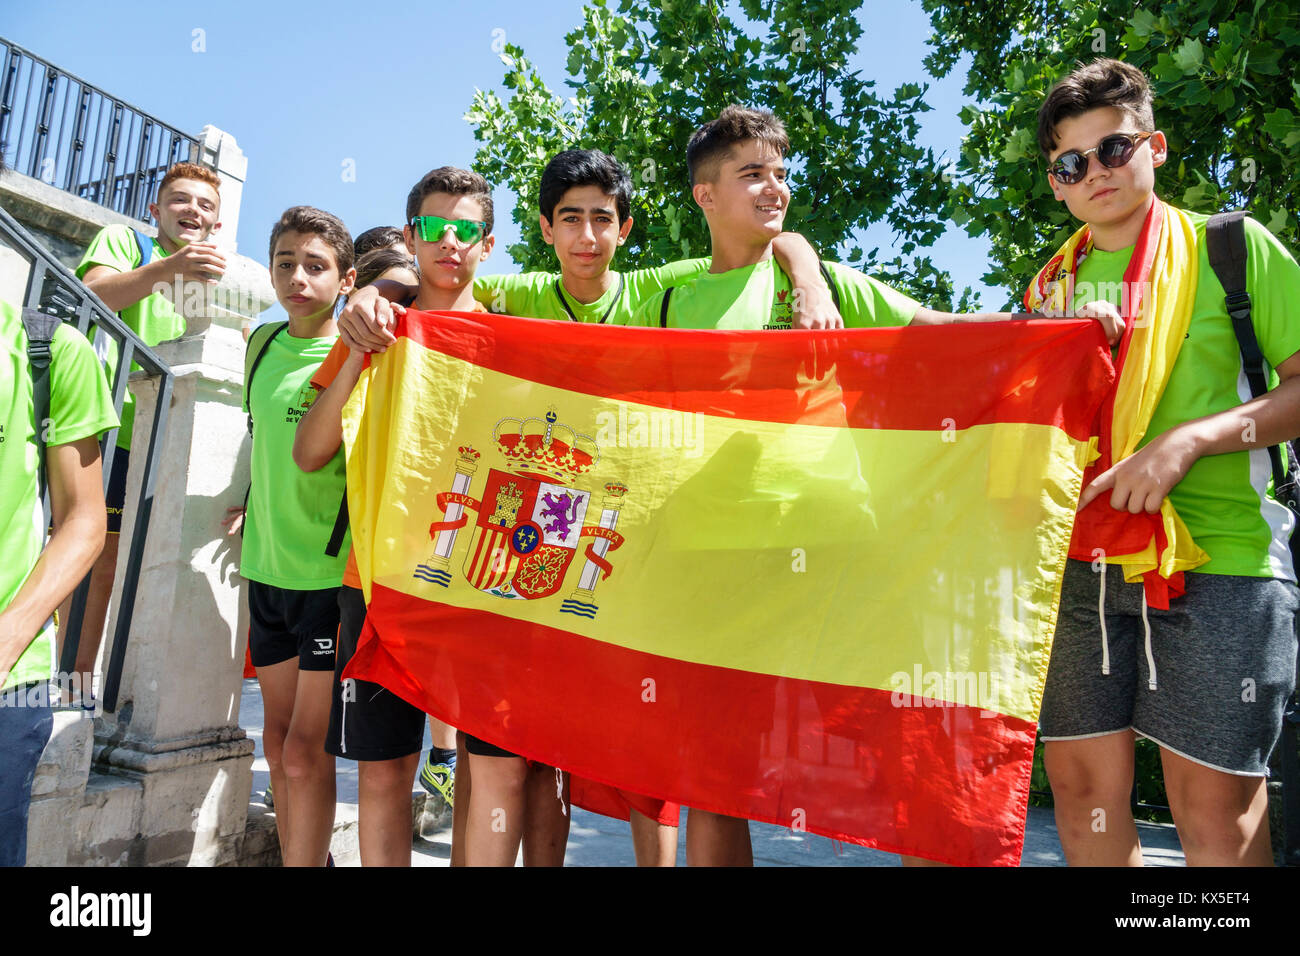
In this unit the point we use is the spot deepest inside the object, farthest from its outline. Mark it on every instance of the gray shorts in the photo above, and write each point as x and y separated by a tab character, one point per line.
1209	682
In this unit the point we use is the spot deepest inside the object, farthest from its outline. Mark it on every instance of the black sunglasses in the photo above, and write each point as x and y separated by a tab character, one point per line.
1112	152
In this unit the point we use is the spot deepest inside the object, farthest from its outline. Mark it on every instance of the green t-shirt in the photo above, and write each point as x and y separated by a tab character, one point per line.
1223	499
761	297
291	512
541	295
153	318
80	406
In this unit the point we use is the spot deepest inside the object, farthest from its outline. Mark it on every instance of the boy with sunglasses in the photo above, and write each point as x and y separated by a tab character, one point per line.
450	211
1177	618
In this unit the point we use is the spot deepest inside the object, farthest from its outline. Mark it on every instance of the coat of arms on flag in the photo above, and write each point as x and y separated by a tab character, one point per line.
530	519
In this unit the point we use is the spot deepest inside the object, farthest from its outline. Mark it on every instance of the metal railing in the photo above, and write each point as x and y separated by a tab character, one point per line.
51	288
59	129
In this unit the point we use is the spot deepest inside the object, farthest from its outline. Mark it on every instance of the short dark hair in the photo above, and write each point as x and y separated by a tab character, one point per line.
454	182
584	167
378	261
309	219
1089	87
735	124
379	237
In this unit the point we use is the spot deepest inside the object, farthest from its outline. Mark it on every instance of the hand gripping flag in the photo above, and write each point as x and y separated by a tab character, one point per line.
804	578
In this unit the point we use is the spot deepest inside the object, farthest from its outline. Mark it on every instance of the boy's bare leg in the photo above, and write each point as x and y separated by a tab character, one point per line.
443	736
279	684
1222	818
460	803
495	823
310	771
1092	781
384	810
920	861
654	844
546	824
715	840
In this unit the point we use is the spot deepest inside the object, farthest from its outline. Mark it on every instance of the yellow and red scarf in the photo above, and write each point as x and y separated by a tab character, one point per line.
1161	282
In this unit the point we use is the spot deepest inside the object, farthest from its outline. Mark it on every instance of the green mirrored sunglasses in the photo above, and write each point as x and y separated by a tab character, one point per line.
433	228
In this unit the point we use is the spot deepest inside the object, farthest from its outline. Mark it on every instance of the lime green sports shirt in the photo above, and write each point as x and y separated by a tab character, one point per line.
291	512
80	406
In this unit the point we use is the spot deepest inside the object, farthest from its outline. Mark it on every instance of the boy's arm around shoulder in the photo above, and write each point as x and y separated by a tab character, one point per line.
814	305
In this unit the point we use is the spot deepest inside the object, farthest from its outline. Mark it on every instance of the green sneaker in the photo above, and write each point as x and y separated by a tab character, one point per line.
439	779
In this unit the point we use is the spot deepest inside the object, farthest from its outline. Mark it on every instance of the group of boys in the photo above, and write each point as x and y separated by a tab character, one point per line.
1158	648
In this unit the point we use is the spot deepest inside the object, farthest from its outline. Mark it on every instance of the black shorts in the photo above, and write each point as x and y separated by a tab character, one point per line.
484	749
115	493
367	722
288	624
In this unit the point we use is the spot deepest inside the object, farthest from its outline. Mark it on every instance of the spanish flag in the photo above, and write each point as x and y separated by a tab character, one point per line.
808	578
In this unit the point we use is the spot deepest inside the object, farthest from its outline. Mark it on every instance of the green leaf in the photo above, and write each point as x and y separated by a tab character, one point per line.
1019	144
1189	56
1199	196
1143	22
1280	124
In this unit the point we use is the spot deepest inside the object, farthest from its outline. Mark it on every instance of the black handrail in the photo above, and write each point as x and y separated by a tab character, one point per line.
78	138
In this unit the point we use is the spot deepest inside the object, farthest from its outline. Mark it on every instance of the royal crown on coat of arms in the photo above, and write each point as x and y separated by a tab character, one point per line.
545	448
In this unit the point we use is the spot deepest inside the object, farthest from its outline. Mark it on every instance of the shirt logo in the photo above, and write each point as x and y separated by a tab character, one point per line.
306	398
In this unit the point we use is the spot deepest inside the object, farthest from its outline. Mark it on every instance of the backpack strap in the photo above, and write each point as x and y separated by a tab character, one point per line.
258	342
1225	245
145	245
663	308
340	528
40	329
826	274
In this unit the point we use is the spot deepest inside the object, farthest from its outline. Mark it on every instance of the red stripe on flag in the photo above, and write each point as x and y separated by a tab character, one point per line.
1039	371
941	782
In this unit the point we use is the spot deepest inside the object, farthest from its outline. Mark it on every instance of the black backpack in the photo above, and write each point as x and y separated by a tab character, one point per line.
258	342
1225	240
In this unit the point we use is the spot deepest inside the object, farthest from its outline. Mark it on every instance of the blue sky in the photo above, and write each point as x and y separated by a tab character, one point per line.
308	88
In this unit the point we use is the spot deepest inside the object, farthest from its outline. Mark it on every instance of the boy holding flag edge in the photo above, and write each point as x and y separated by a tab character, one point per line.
1183	628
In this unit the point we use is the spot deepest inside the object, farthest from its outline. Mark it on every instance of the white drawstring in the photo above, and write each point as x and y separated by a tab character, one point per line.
1151	661
559	790
1101	616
